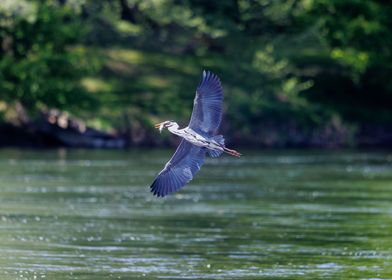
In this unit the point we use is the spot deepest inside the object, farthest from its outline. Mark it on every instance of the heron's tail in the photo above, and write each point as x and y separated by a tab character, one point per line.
221	141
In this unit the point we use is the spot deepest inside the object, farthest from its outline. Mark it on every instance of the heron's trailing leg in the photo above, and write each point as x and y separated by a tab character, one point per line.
232	152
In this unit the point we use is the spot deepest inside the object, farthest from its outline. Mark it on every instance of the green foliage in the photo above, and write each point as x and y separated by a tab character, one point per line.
358	38
357	31
302	64
40	65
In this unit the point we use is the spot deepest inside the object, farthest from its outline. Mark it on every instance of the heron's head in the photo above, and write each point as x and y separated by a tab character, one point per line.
166	124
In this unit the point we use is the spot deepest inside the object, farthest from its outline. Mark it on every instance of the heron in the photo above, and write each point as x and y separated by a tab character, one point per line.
198	138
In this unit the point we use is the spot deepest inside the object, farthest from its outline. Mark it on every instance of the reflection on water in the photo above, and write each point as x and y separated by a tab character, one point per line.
268	215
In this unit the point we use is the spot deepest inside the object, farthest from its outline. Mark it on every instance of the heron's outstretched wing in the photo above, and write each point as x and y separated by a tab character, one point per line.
180	169
207	106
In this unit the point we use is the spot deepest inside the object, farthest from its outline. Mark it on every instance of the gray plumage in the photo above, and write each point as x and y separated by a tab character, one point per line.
199	138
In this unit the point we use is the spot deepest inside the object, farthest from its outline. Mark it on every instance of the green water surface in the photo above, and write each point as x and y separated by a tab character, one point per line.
76	214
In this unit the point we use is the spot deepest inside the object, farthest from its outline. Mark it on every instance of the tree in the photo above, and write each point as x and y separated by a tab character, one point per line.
40	64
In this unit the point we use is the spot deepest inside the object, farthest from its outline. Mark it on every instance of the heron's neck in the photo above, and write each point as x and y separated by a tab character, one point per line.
174	128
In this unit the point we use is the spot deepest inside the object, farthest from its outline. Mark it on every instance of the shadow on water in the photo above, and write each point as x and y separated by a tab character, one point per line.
268	215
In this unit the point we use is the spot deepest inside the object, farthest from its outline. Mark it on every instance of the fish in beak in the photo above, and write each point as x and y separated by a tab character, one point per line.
159	126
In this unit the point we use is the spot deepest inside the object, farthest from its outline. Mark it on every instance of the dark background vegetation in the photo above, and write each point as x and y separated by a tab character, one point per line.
296	73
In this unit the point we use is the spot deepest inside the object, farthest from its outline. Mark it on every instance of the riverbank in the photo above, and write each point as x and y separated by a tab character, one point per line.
44	134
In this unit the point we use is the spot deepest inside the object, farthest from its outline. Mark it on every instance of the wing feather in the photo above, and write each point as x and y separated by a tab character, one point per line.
207	106
179	170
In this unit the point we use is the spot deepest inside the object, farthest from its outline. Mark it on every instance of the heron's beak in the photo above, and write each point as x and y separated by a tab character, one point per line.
159	126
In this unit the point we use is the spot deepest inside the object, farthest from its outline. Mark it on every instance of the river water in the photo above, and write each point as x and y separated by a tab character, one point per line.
86	214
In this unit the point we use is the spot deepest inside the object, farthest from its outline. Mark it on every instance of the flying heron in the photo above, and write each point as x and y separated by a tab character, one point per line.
199	137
